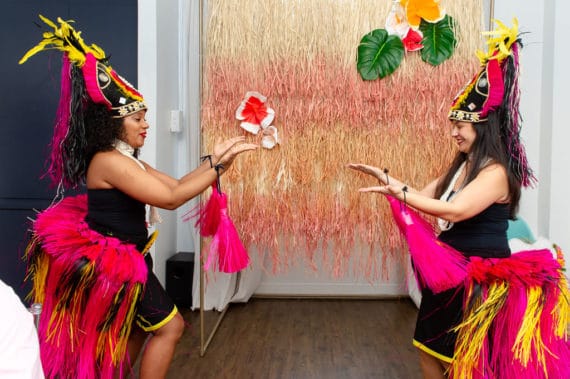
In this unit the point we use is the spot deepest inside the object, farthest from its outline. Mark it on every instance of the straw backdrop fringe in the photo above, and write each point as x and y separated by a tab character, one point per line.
298	199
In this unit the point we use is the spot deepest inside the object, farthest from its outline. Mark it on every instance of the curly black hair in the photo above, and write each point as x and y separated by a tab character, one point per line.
91	128
101	129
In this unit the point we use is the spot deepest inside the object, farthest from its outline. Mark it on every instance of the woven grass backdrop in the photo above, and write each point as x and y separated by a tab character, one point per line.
298	202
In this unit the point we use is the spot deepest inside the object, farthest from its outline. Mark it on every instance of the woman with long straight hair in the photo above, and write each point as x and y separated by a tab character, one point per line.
508	315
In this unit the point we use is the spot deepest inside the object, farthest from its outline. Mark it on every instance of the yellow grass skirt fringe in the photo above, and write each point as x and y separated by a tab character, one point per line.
515	320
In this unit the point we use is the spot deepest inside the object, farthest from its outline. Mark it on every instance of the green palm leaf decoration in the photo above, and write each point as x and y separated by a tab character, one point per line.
439	40
379	54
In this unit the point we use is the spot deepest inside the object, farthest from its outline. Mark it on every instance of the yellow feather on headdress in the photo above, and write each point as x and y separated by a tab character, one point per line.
65	39
499	46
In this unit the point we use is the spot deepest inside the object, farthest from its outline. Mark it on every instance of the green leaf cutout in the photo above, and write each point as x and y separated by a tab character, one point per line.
379	54
439	40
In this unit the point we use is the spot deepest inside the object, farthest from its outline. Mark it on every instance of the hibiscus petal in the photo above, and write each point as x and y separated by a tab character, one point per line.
268	118
253	110
414	20
248	126
270	137
432	14
396	23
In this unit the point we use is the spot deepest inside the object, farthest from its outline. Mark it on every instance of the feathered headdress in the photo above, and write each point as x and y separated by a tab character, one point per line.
495	88
85	75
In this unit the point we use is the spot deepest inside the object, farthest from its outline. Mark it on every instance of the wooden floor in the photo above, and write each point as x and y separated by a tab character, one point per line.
302	338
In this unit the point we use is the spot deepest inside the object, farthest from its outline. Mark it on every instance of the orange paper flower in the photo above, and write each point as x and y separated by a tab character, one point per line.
428	10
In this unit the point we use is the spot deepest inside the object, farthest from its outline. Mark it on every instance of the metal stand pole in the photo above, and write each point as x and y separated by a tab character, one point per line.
204	344
203	341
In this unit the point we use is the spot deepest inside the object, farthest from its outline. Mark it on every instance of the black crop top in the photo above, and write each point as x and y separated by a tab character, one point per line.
113	213
483	235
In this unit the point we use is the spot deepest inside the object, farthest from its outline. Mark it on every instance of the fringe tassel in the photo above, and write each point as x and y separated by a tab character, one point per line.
232	255
438	266
561	311
225	249
471	348
209	214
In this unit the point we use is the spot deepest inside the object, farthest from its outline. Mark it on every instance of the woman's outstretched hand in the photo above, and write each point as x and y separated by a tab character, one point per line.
369	170
222	147
225	152
388	185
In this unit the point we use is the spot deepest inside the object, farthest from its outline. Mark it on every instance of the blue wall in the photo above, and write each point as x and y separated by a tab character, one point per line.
28	102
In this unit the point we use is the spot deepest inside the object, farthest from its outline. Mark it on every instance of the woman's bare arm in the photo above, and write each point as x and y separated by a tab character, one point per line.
490	186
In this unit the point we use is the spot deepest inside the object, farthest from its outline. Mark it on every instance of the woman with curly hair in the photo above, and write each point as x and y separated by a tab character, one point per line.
89	254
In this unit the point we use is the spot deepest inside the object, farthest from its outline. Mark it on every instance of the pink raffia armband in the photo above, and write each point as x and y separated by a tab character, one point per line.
232	255
214	221
436	265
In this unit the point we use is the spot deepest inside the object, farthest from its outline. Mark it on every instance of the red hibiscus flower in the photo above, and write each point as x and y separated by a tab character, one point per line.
413	40
254	113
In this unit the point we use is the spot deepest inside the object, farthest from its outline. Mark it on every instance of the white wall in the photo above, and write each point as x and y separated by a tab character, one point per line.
558	221
530	16
303	281
190	90
158	71
545	83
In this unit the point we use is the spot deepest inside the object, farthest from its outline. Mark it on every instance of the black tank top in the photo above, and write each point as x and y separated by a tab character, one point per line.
113	213
484	235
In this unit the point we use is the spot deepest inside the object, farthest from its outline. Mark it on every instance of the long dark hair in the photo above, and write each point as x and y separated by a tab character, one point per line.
489	147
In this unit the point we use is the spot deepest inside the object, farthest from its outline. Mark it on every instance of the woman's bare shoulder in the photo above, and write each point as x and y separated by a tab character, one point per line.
494	168
106	167
103	156
110	159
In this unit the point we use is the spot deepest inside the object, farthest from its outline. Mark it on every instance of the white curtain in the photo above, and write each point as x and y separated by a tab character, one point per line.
220	288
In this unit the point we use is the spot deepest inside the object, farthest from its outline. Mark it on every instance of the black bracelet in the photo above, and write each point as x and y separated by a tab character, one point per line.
208	157
218	167
387	177
404	190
